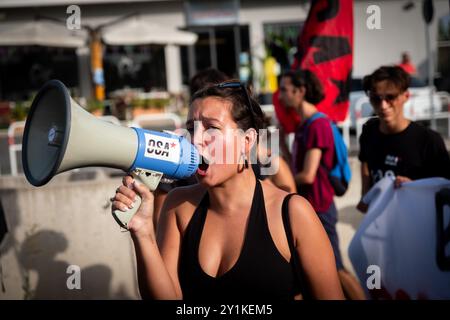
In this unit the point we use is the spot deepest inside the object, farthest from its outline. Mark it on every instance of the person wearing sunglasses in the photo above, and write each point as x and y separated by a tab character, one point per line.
392	145
229	237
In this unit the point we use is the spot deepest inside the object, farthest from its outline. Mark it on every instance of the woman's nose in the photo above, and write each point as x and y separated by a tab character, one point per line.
198	139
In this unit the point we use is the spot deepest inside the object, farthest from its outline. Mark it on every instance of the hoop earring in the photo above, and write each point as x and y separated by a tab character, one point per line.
244	165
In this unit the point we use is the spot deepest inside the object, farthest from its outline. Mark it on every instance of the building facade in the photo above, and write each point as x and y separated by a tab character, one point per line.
235	36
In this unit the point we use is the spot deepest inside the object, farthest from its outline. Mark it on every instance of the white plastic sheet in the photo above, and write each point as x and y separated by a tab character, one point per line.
399	235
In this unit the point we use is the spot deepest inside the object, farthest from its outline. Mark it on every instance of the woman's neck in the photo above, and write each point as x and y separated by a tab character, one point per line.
233	194
306	110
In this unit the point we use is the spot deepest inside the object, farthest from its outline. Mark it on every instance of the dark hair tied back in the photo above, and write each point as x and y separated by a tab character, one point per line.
307	79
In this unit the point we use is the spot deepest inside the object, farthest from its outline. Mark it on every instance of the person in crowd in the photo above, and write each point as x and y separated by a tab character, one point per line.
229	237
312	159
288	120
407	65
392	145
270	161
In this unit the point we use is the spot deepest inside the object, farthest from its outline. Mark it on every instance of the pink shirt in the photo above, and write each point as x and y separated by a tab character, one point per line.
319	135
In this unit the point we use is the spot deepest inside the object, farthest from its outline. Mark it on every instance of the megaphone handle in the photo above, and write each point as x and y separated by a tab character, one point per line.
151	180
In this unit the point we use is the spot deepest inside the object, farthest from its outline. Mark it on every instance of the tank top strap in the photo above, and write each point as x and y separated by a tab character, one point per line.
287	223
257	211
295	259
258	198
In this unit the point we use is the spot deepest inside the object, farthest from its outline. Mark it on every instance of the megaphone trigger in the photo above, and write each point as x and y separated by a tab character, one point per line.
148	177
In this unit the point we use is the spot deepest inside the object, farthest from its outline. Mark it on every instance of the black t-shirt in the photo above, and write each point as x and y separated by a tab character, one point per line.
416	152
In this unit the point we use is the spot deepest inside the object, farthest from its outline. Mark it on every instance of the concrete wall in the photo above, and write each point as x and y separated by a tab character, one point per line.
67	222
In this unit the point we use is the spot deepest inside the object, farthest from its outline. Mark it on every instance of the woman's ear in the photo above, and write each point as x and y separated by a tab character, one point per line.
250	139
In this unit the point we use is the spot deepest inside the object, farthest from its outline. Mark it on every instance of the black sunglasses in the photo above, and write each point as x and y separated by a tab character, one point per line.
378	98
240	85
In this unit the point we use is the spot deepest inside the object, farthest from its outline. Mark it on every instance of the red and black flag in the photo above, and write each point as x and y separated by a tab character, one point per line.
325	47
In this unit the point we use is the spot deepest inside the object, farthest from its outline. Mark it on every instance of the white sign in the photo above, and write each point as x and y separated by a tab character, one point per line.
162	148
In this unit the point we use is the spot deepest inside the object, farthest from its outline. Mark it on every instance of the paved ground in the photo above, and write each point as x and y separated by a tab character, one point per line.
349	218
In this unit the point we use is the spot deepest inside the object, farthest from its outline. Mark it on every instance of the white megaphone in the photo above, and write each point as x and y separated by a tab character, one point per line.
60	136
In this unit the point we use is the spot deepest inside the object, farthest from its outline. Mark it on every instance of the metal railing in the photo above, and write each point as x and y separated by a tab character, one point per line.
414	116
13	146
149	121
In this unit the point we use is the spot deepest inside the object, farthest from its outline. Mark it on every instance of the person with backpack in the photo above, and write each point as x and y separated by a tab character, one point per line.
314	160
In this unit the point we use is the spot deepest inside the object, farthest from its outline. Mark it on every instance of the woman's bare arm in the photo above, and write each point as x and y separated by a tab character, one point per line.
154	269
310	167
314	250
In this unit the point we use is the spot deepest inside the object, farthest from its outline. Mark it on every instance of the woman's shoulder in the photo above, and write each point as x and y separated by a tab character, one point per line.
321	126
272	193
184	200
299	209
191	194
321	122
297	204
302	217
273	197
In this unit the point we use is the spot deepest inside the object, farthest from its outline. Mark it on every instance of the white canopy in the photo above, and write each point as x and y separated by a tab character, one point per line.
42	33
136	31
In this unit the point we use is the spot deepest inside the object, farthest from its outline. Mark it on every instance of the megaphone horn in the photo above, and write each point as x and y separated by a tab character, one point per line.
60	136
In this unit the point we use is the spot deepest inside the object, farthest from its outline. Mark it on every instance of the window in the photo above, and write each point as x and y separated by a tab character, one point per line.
24	69
281	41
140	67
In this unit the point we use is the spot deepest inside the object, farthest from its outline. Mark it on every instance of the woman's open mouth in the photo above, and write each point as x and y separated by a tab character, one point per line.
203	166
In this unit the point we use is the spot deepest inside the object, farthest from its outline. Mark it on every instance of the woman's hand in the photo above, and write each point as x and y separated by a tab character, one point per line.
141	225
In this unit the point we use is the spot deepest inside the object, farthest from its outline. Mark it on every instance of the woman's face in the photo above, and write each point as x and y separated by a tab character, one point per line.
218	139
290	95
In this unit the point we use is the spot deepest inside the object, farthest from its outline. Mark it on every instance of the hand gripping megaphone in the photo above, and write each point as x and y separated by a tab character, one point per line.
60	135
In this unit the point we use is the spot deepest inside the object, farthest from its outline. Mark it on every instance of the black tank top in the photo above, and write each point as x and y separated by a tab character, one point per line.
260	272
